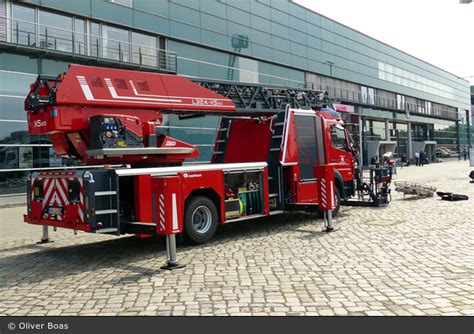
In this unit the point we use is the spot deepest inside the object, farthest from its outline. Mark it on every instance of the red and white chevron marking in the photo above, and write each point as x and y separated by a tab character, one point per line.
162	215
55	190
324	201
325	196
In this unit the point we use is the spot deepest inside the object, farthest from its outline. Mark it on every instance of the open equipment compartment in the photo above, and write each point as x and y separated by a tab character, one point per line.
243	194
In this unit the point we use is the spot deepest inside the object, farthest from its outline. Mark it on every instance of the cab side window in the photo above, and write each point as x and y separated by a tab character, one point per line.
338	137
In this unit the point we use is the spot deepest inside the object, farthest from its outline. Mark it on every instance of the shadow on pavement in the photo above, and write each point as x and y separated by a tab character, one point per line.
121	253
58	262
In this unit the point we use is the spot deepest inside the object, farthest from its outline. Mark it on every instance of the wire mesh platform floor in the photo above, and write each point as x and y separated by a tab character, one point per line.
415	189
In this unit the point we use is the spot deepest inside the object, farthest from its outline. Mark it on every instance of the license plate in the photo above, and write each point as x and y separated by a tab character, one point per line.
54	210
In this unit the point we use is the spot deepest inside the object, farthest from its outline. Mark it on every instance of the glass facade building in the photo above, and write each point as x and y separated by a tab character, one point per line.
397	98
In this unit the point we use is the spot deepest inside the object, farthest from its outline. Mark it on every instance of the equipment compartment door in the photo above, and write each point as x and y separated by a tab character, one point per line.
101	188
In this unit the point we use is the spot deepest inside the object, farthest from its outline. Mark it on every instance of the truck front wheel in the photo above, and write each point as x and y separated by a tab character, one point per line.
200	220
338	202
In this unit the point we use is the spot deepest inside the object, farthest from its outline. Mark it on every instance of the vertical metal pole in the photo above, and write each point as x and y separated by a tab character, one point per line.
171	262
329	226
468	130
409	143
158	58
171	249
45	236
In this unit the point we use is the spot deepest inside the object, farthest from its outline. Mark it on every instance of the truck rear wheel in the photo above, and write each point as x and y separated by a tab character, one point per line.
200	220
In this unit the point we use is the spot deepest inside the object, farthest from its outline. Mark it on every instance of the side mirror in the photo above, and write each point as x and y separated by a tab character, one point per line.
354	149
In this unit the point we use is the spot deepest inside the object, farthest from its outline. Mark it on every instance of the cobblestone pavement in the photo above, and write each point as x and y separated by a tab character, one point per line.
415	257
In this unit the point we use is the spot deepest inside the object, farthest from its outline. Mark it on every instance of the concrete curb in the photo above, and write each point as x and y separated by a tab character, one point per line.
12	205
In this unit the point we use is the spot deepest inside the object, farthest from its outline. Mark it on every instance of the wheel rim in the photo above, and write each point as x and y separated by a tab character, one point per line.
201	219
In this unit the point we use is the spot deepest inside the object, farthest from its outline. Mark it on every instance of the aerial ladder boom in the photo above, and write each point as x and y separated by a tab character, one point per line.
104	115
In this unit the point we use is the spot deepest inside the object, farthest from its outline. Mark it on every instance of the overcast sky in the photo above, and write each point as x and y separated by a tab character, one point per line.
440	32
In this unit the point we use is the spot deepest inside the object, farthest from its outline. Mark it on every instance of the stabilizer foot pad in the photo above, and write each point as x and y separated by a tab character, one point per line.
46	241
173	266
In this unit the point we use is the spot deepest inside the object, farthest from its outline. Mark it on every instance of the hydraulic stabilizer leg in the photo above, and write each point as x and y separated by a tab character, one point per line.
328	221
45	237
327	193
171	262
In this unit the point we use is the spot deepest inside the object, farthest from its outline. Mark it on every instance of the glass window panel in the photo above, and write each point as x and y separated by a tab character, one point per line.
12	108
363	91
377	130
13	132
115	43
23	25
16	84
371	95
214	39
144	49
415	81
55	31
248	70
127	3
95	41
79	37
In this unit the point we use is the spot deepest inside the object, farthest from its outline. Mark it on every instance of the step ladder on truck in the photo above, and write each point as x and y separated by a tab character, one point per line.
269	143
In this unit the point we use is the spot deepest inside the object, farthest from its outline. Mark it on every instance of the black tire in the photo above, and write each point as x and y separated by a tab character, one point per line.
205	215
335	212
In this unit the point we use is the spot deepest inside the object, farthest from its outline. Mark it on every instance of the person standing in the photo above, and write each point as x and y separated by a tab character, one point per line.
417	158
464	153
422	158
374	160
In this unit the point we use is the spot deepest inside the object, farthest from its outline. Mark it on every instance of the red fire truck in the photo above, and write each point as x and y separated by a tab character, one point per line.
268	144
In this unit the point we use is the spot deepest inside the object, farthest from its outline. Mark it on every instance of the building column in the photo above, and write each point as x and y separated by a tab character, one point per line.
361	143
387	130
468	129
458	138
409	142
